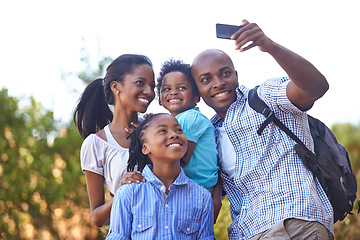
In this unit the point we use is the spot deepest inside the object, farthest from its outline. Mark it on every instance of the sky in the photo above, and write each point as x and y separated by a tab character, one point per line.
42	43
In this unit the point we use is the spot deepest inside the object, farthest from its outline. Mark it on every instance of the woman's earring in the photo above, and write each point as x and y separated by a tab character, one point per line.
117	91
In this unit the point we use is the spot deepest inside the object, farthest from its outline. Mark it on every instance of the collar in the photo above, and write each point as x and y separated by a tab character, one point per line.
150	176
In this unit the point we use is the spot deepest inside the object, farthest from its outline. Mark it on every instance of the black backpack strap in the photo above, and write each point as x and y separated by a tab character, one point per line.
308	157
261	107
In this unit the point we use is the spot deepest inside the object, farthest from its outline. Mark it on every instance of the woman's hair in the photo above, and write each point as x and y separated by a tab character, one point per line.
175	66
136	157
92	112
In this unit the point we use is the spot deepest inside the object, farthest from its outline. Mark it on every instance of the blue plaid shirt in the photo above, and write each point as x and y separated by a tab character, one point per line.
144	211
271	183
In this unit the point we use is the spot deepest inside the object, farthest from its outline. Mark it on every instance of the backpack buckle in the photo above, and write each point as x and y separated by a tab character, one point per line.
266	112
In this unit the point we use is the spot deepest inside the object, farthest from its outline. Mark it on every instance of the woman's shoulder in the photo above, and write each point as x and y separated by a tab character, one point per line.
93	141
93	146
97	143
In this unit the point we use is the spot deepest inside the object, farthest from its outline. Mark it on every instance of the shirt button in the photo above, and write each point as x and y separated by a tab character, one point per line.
188	229
139	226
166	205
166	226
243	207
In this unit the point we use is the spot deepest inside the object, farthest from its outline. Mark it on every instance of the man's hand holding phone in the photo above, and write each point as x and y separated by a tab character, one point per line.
246	36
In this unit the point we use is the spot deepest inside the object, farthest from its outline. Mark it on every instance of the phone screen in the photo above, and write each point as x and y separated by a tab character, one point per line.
225	31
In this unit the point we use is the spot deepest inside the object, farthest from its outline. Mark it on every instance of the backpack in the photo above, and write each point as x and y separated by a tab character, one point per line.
330	163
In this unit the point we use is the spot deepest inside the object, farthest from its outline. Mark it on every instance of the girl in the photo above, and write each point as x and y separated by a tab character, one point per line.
168	205
129	86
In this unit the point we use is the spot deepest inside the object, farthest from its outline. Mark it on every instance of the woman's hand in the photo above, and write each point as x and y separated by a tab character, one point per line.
130	177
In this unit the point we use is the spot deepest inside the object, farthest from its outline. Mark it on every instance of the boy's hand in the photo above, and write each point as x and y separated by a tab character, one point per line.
130	129
133	126
250	36
130	177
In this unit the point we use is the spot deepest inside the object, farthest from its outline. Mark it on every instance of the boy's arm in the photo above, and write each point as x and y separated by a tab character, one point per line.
216	198
189	152
121	216
307	83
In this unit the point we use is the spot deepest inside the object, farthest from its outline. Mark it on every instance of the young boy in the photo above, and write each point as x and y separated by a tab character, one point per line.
179	95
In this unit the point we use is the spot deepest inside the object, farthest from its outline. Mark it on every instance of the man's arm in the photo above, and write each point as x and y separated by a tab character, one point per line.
307	83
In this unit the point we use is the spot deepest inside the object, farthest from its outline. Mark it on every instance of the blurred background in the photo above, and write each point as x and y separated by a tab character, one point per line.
50	50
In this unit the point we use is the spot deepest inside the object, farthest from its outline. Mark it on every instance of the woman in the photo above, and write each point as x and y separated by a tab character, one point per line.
129	86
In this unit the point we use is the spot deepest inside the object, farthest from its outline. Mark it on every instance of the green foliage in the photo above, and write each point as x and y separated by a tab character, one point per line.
89	74
349	136
39	170
223	221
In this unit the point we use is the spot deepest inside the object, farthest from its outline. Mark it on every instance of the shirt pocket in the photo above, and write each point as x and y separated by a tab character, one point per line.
188	229
142	223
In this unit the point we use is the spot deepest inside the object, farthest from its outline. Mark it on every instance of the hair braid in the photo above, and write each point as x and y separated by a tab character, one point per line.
136	157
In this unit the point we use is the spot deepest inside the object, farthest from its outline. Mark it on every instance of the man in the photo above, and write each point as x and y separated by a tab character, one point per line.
271	193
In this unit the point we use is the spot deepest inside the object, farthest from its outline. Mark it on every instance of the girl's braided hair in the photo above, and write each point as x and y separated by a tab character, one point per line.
136	157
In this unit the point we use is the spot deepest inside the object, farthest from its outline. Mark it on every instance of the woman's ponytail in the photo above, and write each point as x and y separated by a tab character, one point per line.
92	113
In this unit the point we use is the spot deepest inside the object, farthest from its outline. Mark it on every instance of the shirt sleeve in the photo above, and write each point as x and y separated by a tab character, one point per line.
121	216
273	92
207	219
194	124
92	156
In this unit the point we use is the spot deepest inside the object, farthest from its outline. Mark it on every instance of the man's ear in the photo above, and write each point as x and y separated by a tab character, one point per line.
145	149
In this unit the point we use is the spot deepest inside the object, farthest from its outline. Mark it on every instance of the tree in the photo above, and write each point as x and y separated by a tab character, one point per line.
349	136
42	190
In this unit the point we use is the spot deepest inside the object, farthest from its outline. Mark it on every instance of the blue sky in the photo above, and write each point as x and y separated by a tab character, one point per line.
43	40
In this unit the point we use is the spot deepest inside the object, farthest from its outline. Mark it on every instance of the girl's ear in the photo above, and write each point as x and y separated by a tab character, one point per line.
145	149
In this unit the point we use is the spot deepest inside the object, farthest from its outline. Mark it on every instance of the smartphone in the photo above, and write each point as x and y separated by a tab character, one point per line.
225	31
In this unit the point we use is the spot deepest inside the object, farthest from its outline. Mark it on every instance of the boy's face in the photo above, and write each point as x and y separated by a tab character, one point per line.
176	93
216	79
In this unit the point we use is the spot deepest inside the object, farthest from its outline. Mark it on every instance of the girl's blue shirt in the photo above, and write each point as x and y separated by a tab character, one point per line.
144	211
